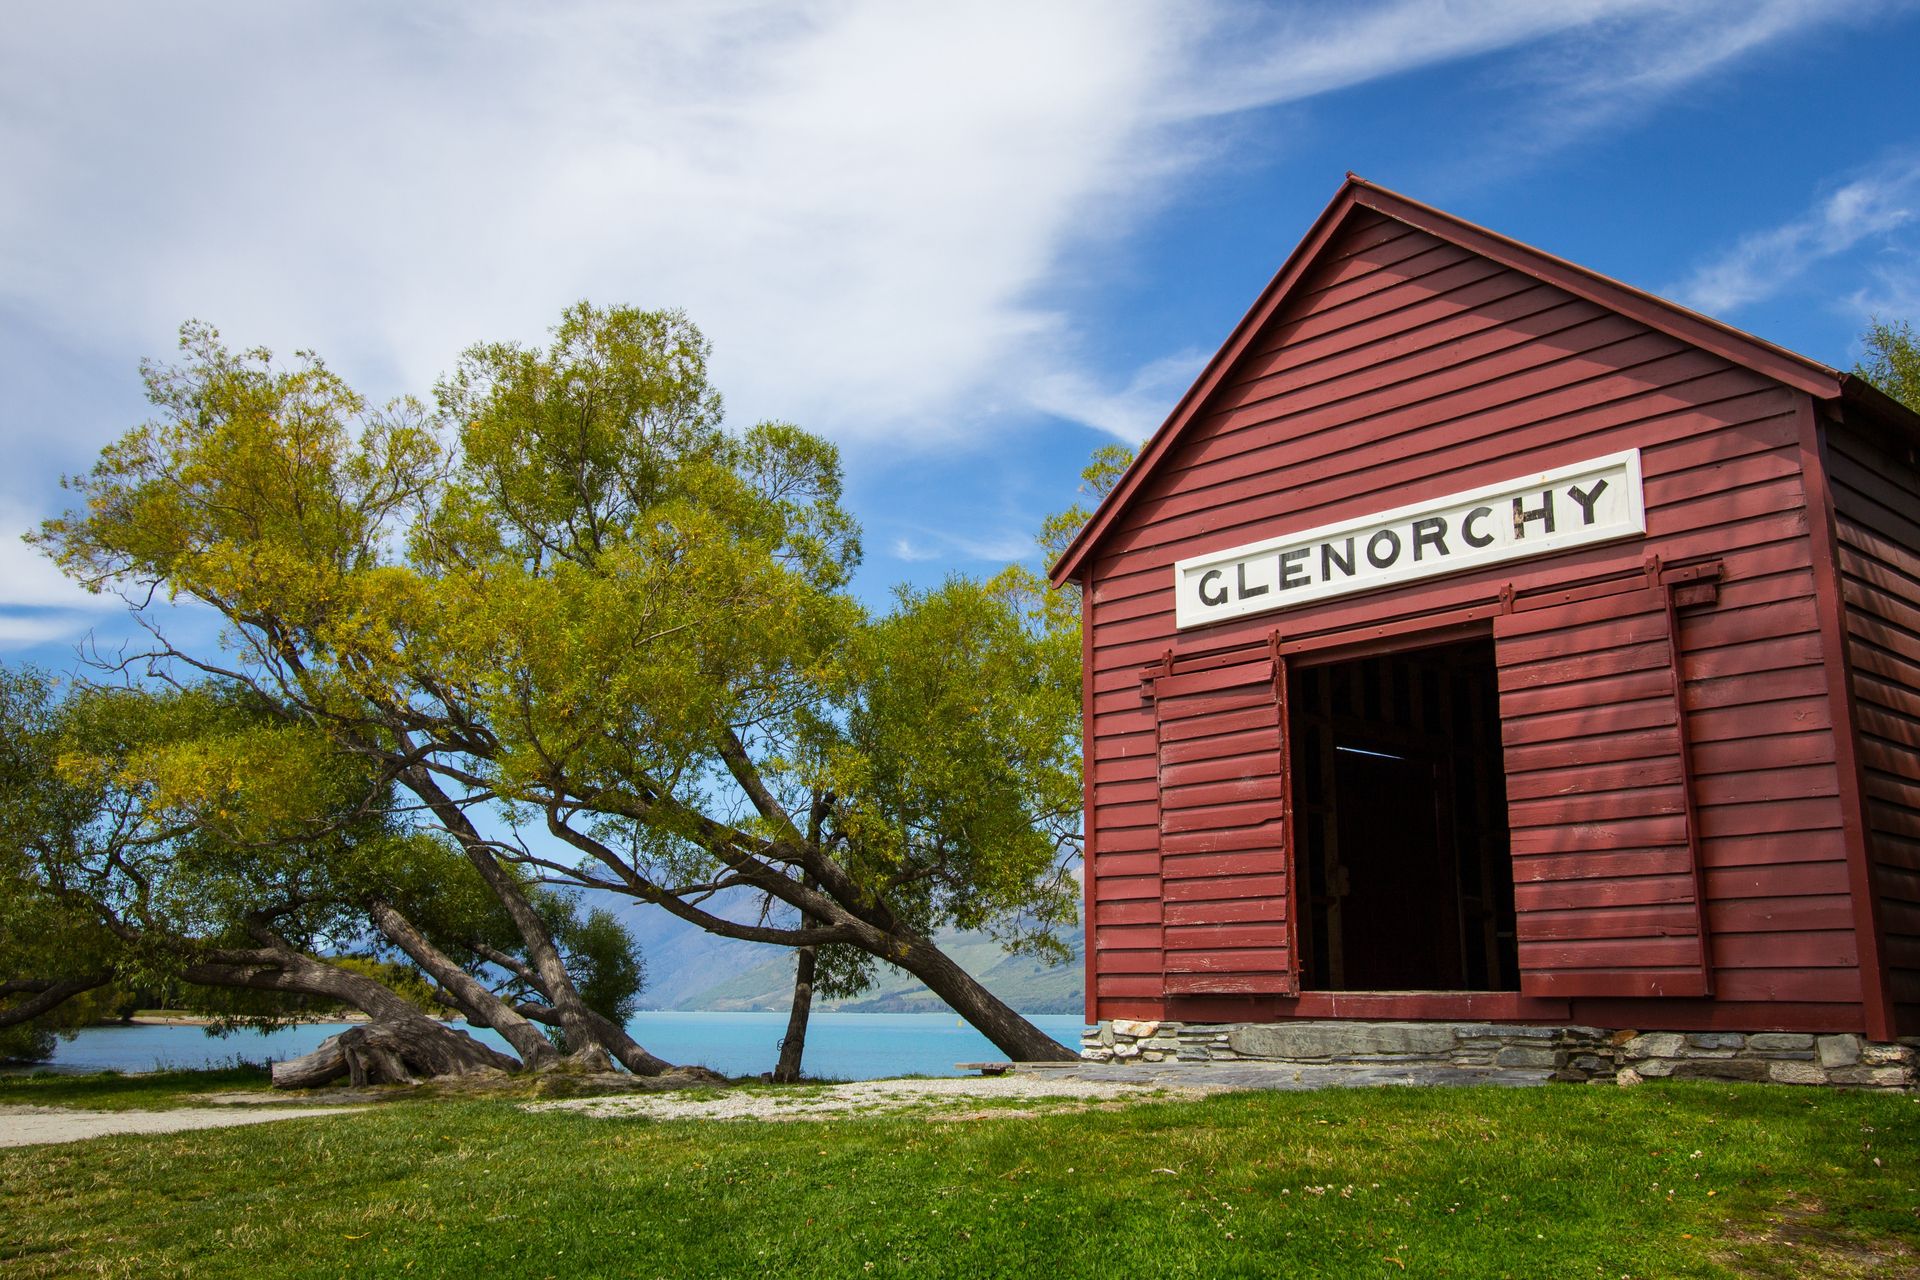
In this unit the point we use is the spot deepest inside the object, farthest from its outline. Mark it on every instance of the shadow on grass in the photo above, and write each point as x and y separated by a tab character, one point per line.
114	1091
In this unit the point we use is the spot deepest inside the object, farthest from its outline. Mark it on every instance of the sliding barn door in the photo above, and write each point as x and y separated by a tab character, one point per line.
1607	888
1224	863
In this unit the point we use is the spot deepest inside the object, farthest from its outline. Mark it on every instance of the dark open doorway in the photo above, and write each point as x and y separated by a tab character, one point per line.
1400	810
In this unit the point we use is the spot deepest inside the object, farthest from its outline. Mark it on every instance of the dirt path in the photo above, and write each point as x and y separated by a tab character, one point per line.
24	1126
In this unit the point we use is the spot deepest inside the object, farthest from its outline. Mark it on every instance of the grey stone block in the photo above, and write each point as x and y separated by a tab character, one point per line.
1796	1073
1525	1055
1884	1077
1716	1040
1525	1033
1839	1051
1770	1041
1720	1069
1657	1044
1311	1040
1882	1055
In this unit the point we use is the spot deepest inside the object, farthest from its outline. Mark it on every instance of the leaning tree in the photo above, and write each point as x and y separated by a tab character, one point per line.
197	840
595	636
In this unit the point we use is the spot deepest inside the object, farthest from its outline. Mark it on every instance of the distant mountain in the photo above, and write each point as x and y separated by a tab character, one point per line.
689	968
1022	981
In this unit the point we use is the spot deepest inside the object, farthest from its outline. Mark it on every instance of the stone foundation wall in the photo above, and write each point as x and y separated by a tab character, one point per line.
1569	1053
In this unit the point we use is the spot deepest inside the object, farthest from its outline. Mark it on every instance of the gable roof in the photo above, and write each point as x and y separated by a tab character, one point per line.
1701	331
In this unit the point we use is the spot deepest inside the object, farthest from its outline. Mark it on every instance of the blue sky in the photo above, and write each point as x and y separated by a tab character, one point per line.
968	243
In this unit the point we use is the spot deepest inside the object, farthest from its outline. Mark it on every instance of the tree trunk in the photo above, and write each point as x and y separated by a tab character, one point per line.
584	1046
278	967
479	1004
391	1053
794	1044
611	1034
399	1043
1012	1034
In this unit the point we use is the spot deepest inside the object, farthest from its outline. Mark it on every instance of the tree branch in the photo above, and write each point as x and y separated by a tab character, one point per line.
48	995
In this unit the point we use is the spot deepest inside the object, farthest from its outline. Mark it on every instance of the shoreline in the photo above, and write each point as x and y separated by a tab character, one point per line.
204	1020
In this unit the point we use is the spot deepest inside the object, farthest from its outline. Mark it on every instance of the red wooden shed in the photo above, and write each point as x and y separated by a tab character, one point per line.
1483	639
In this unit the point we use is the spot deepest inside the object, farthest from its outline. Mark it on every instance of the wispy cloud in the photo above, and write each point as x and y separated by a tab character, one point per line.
1619	63
1292	53
29	630
1859	212
932	544
865	204
1129	413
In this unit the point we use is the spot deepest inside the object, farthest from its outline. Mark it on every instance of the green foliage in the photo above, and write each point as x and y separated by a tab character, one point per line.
173	814
27	1042
45	933
957	757
403	979
1892	360
605	961
570	593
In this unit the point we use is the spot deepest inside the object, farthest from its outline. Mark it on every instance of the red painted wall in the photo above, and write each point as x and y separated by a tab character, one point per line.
1404	367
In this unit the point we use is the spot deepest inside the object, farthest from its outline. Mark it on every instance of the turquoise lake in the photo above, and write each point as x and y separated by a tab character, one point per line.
844	1046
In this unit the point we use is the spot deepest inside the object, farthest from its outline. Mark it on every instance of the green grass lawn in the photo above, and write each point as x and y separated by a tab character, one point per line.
1662	1180
111	1091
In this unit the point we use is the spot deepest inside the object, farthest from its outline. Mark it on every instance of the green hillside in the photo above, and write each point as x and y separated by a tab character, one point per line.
1023	982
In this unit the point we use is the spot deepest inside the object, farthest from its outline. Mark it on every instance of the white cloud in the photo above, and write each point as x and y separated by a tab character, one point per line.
1298	52
1129	414
28	580
1892	292
25	631
934	544
1765	262
914	552
864	204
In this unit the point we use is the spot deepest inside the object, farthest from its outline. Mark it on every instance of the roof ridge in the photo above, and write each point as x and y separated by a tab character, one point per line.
1692	327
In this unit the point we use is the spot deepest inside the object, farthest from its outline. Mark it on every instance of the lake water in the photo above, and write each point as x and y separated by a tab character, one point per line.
846	1046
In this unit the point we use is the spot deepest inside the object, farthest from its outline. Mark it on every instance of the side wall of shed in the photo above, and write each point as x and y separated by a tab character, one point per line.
1402	368
1876	496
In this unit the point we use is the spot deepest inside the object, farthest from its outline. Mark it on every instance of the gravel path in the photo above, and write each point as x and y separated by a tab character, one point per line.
24	1126
870	1097
1050	1088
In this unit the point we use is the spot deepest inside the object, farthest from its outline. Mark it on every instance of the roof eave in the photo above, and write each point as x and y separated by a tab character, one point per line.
1877	404
1704	332
1076	552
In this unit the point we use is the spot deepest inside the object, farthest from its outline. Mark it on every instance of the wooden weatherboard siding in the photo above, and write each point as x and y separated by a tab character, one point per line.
1396	366
1221	769
1876	496
1604	832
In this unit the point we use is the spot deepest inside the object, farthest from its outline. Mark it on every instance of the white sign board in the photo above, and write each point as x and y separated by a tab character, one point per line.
1575	506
